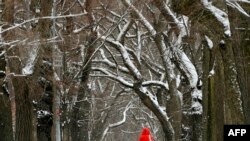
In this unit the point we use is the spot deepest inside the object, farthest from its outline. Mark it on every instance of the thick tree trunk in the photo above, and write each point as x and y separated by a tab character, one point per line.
240	26
24	109
81	110
6	132
44	70
233	105
6	123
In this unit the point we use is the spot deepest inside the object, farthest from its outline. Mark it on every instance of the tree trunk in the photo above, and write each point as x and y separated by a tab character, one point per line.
6	132
81	110
66	117
173	105
57	79
233	107
207	66
24	109
165	123
56	128
44	70
241	50
216	93
6	127
173	109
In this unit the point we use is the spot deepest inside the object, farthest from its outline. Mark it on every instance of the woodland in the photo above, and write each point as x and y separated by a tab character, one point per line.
101	70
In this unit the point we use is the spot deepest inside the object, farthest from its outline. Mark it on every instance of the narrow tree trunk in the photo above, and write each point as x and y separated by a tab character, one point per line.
67	34
207	67
173	109
56	129
165	123
216	93
56	57
173	105
34	124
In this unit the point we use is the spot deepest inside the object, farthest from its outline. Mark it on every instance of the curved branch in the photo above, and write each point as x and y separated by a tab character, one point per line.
112	76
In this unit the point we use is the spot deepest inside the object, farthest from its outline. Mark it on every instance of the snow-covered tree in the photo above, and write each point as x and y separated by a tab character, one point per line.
102	69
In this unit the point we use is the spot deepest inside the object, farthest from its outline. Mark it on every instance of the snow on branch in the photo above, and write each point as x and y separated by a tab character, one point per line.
111	76
32	57
155	68
168	14
220	15
111	64
155	83
189	70
187	67
141	90
244	1
129	105
126	58
154	102
143	19
237	6
209	42
124	30
40	18
139	46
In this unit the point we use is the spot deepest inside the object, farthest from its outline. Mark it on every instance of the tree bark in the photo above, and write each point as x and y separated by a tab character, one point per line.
6	132
233	104
44	70
241	50
6	123
24	109
81	110
173	105
165	123
215	98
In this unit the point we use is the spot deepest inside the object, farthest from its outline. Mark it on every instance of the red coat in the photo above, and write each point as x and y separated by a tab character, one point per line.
145	135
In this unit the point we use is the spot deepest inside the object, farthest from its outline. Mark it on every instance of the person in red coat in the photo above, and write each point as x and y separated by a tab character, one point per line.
145	135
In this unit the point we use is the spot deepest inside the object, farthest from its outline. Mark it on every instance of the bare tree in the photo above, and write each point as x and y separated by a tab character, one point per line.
99	70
